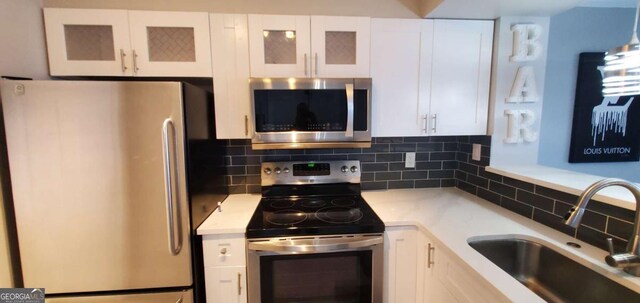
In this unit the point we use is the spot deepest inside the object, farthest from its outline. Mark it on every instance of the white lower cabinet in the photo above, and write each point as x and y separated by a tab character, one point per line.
430	259
418	270
400	264
226	284
225	270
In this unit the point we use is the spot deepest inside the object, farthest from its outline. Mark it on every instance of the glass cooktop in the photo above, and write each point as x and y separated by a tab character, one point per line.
324	215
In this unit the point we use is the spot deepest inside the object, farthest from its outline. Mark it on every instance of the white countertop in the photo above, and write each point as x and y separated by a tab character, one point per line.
566	181
449	216
452	216
234	217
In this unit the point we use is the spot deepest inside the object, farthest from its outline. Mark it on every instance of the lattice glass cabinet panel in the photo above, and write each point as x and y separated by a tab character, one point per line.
279	46
171	44
89	42
340	47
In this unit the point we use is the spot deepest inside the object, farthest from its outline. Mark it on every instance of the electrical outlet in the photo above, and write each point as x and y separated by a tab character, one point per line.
477	150
410	160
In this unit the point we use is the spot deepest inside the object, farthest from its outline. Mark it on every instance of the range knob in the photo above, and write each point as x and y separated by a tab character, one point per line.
277	170
354	169
286	170
267	171
344	169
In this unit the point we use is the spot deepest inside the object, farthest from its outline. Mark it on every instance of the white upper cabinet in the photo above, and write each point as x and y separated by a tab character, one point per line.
96	42
170	43
400	97
230	66
460	76
88	42
303	46
279	46
340	46
434	80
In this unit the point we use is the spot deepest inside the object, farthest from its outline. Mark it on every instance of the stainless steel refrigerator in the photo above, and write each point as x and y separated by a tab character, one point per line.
109	181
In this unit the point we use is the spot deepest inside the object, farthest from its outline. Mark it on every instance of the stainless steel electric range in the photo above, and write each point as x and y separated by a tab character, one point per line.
313	238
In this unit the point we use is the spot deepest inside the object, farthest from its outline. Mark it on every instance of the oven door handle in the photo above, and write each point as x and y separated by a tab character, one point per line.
309	246
350	110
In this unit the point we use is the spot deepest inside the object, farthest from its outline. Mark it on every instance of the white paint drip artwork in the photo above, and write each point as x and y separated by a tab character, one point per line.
608	116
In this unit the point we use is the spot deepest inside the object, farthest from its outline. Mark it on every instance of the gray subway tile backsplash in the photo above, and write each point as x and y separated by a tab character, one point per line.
539	203
441	162
383	165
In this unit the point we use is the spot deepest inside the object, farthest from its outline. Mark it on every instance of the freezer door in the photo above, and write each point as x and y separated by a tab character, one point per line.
165	297
98	179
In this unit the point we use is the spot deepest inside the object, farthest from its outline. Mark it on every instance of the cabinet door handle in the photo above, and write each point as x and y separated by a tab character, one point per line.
435	123
122	58
316	64
246	125
430	253
425	122
135	62
306	71
239	284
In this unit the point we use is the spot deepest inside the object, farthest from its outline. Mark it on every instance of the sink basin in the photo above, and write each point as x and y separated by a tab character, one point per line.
551	275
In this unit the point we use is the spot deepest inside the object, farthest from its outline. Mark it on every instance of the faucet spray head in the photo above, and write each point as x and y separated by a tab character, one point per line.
573	217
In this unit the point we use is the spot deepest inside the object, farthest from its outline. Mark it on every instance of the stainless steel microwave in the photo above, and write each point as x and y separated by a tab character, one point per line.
291	113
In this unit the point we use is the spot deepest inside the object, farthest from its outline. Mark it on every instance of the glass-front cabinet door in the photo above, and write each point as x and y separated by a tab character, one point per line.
303	46
340	46
279	46
87	42
99	42
170	43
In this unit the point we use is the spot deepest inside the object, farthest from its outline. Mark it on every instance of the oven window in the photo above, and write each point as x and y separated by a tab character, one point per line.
308	110
331	277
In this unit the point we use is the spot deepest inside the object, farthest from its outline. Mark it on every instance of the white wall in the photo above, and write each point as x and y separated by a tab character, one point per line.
569	36
503	75
22	47
22	54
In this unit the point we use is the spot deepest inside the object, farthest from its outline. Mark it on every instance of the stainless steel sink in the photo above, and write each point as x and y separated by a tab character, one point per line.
551	275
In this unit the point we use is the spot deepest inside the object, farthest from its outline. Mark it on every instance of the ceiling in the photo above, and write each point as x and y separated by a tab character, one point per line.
491	9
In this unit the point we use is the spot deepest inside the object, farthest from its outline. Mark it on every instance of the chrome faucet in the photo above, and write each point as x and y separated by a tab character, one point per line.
630	260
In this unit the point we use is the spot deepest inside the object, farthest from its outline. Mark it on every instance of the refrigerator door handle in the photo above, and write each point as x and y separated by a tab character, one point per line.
171	190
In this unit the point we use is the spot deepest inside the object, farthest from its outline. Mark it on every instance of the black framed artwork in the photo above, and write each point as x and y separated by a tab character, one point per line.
605	129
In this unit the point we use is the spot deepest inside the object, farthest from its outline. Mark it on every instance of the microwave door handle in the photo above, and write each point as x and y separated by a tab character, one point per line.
349	90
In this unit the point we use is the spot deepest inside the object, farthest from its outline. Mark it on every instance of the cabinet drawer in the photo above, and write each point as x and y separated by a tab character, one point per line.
224	250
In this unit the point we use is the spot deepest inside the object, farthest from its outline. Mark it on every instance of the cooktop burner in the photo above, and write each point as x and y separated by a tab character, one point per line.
281	204
337	214
285	217
343	202
308	198
312	203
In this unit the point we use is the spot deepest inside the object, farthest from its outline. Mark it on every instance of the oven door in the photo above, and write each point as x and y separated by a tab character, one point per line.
344	268
311	113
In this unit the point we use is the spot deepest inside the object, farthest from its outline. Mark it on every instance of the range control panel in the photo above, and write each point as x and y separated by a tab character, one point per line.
319	172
